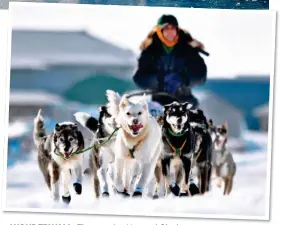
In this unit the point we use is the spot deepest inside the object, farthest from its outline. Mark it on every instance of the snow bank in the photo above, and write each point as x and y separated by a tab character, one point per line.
17	129
249	198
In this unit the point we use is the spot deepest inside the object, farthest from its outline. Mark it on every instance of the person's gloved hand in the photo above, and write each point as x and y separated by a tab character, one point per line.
172	82
183	91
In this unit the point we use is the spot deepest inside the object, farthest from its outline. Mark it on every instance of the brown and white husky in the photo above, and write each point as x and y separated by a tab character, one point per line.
56	156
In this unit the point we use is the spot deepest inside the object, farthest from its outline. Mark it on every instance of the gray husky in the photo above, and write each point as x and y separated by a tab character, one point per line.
56	158
223	163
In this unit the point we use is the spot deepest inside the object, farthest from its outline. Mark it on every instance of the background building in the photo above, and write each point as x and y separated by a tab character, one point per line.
76	66
66	63
262	114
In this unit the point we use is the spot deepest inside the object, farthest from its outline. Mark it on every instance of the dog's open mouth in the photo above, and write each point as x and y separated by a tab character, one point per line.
177	127
218	142
135	128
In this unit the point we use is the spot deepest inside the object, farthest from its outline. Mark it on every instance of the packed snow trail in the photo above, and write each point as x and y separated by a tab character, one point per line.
26	190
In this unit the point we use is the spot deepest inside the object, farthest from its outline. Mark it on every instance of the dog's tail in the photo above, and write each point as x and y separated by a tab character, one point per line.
87	121
114	100
39	129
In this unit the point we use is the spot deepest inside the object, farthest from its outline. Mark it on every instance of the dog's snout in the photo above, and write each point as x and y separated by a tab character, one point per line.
135	121
217	136
179	120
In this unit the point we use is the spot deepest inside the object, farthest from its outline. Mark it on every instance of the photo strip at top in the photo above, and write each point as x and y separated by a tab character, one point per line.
213	4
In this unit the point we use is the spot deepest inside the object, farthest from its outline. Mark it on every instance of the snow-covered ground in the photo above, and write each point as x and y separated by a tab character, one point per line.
26	191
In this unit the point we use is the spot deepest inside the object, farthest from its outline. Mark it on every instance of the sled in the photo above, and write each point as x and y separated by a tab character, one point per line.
156	100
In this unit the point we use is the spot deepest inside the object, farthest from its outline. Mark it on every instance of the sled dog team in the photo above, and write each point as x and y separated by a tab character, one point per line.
133	154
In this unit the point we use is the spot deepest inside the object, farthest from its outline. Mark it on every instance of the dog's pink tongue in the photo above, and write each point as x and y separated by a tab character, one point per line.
136	127
67	154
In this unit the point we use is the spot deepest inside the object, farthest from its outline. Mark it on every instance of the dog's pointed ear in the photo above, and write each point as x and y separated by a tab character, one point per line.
200	112
143	102
74	126
224	125
166	108
124	101
102	108
185	105
57	127
188	105
210	122
144	96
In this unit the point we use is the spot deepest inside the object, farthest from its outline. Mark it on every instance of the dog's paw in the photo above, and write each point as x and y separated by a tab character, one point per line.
123	193
194	190
175	189
55	197
77	188
219	182
137	194
184	194
155	196
66	199
105	194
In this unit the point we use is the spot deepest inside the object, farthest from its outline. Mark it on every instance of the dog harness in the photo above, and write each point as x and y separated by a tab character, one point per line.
95	146
177	151
132	150
195	160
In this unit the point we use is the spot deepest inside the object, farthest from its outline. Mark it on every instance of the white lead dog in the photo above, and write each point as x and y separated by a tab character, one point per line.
137	146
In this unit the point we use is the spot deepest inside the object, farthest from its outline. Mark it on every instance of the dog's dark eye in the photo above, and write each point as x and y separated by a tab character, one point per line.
61	139
139	113
70	139
128	114
221	130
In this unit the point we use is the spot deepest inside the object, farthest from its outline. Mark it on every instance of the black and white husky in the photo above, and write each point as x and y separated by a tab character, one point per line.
202	163
179	146
101	159
56	156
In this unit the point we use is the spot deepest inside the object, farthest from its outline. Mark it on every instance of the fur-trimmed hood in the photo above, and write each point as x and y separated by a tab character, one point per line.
182	34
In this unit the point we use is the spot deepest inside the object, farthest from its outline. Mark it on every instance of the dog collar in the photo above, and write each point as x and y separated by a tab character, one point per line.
174	134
